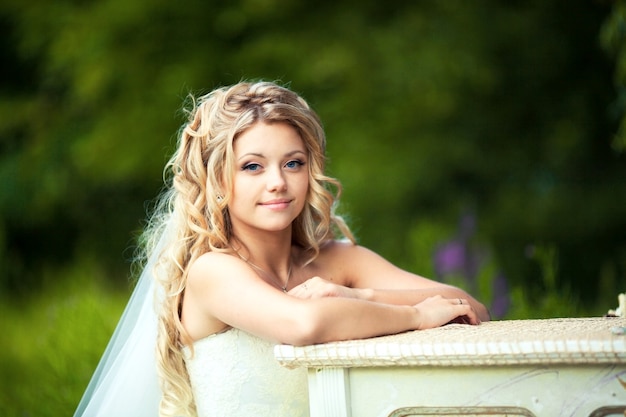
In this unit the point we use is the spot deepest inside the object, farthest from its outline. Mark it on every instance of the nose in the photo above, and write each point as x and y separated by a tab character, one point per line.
276	180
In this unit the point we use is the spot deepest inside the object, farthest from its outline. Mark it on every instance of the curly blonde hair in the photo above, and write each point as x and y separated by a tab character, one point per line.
194	207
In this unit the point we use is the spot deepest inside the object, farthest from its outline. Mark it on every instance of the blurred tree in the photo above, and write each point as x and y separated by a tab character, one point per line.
432	109
613	37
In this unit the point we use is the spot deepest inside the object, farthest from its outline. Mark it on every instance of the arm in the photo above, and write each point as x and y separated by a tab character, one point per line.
371	277
224	292
332	319
410	296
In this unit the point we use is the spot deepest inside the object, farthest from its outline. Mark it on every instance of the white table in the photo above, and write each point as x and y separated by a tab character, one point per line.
554	367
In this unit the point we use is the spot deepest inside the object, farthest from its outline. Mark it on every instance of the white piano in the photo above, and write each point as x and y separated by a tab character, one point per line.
554	367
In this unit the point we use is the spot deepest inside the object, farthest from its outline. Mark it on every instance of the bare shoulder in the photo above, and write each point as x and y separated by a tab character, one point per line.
212	265
214	259
212	286
344	250
344	262
359	267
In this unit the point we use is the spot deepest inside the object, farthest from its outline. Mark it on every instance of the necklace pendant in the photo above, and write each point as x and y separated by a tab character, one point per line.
266	274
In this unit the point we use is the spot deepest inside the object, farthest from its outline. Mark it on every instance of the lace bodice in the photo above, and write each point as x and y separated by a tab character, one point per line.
235	374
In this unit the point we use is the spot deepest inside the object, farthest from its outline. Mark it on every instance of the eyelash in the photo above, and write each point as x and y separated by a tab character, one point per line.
248	167
298	162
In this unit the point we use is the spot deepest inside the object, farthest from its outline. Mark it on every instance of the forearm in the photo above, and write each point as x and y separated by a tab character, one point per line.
414	296
332	319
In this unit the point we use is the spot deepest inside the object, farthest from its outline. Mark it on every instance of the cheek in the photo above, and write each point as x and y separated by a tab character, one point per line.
243	183
303	192
241	190
302	184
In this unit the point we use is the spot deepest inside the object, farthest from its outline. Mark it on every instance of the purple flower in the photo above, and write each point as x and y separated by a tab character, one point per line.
450	258
501	301
460	257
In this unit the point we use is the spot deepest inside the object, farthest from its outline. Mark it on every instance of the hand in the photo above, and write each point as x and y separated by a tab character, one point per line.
436	311
317	287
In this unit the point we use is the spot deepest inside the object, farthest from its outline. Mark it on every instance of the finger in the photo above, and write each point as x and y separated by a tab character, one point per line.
301	291
470	314
467	310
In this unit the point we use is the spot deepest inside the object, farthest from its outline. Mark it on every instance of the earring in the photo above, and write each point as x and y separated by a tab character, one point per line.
219	198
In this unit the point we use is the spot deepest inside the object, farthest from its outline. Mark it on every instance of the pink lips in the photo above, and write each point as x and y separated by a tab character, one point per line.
277	204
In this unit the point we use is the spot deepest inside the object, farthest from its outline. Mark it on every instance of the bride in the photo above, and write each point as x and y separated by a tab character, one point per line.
245	251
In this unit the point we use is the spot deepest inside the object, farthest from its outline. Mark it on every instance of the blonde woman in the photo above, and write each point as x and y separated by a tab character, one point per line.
246	252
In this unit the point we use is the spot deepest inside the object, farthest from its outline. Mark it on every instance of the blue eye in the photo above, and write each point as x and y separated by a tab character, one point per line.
294	164
251	167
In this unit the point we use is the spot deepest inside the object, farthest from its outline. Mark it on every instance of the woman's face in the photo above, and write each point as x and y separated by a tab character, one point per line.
271	178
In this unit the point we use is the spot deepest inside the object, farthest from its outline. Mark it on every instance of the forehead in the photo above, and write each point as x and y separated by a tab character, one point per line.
264	138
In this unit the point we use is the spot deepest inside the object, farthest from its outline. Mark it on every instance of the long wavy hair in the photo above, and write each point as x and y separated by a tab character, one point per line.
193	207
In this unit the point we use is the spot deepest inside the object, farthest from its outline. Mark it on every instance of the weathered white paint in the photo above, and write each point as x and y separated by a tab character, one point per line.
555	367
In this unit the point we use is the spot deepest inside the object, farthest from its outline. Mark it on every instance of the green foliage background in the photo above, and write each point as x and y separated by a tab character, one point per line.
509	113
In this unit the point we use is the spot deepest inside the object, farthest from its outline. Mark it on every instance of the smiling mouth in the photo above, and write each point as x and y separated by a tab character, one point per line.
281	203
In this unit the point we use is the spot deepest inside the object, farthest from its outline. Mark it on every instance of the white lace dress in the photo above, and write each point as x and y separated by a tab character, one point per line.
235	374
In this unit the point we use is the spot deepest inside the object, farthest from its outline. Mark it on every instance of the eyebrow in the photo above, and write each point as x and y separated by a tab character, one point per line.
260	155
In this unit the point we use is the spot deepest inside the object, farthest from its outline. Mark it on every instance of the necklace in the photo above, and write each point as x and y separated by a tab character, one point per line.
273	277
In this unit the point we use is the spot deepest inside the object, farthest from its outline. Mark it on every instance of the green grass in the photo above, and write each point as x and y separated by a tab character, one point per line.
52	343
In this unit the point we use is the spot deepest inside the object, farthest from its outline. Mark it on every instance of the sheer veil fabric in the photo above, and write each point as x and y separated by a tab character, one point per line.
125	383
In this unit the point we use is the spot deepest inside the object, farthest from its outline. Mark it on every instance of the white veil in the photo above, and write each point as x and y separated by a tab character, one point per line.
125	382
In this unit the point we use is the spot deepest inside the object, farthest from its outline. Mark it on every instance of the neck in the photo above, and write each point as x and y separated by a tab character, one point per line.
271	253
273	278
